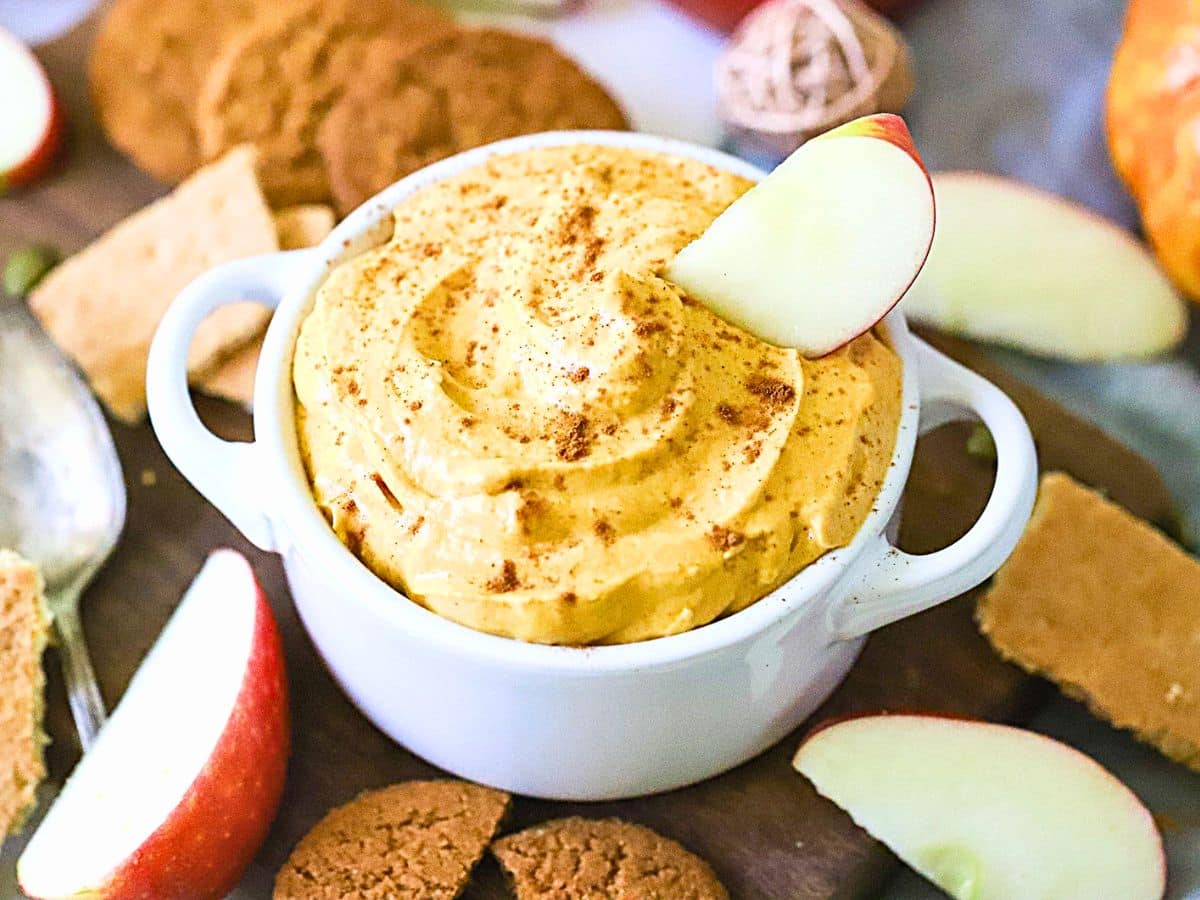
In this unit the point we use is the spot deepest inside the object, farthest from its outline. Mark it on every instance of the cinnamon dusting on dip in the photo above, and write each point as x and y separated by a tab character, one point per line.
506	581
572	437
542	431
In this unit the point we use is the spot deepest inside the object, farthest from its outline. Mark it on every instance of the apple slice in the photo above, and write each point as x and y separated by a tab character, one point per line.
1017	266
31	132
988	812
823	247
178	792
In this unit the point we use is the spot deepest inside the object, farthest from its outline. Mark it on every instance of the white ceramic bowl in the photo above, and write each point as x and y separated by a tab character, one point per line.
563	722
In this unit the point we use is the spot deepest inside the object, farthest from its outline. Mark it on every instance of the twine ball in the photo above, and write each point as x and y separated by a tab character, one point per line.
796	68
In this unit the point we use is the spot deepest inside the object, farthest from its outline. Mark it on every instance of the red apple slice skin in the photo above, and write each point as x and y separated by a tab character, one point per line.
195	854
893	129
191	856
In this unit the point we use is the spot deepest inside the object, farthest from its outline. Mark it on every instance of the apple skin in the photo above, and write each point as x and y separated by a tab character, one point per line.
207	842
893	129
885	127
45	154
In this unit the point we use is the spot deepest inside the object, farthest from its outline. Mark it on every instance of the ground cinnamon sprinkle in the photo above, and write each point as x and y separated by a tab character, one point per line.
774	390
579	374
573	437
645	328
723	538
393	502
506	581
605	531
592	253
578	224
354	541
730	414
532	506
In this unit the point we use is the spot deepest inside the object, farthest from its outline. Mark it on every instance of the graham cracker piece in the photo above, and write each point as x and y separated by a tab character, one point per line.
305	225
24	625
233	378
103	304
417	839
1108	608
581	859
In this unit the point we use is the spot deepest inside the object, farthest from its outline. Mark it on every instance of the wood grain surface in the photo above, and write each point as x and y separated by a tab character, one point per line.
765	831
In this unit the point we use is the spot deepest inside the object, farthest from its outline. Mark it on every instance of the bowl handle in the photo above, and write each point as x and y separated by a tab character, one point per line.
891	584
225	472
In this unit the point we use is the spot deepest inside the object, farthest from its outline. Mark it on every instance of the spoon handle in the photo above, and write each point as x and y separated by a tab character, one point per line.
87	706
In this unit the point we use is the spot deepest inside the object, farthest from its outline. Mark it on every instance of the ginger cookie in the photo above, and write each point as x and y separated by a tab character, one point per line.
418	102
417	839
602	859
146	68
273	82
1105	606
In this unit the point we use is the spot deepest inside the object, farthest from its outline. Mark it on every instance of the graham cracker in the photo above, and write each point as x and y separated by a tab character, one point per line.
305	225
233	378
24	625
1108	608
103	304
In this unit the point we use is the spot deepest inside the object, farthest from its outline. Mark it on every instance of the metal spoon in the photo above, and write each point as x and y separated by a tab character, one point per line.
62	495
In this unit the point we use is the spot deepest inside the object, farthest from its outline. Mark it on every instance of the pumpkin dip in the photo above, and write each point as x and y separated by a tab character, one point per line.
508	415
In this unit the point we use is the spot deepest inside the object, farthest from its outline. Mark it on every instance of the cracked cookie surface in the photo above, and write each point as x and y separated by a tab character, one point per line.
421	101
146	68
418	840
603	859
274	82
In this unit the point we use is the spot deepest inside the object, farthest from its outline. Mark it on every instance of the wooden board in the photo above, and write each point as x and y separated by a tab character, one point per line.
765	831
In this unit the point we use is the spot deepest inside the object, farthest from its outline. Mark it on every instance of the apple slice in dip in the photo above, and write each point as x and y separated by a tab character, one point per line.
822	248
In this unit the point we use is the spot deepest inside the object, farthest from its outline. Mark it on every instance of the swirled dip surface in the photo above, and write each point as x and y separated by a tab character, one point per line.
512	418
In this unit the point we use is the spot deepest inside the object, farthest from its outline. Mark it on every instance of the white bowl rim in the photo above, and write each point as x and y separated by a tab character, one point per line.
300	528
